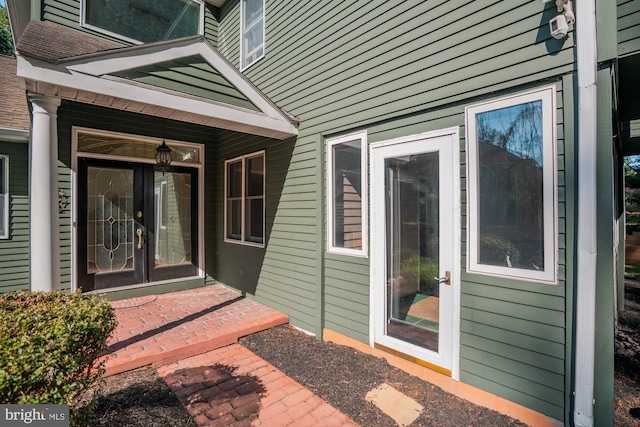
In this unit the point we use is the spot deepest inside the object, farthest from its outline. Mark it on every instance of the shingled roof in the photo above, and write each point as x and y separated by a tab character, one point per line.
51	42
14	113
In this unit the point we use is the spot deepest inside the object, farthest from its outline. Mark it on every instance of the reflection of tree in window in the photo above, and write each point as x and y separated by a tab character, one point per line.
347	195
143	20
511	186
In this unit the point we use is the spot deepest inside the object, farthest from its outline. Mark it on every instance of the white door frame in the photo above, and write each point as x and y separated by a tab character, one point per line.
447	141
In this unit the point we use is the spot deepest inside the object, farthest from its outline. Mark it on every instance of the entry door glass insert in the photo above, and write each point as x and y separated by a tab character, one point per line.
413	224
413	267
135	224
110	221
173	218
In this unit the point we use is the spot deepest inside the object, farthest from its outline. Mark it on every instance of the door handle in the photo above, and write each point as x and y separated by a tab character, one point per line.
446	279
139	233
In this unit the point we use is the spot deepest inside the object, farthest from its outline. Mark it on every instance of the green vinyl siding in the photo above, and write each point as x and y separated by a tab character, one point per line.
191	75
401	69
628	27
211	24
282	274
14	251
229	32
495	310
606	271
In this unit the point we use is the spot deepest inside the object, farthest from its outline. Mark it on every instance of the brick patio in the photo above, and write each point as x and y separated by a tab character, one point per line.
191	336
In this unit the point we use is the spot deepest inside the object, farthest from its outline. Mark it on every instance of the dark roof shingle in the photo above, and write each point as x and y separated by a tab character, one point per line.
14	113
51	42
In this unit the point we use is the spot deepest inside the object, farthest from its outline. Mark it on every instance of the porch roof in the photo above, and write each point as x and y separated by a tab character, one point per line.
185	79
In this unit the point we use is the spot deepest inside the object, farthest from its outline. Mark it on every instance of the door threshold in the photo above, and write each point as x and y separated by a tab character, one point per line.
140	285
412	359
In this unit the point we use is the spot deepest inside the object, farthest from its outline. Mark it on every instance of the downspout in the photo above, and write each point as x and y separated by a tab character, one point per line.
587	213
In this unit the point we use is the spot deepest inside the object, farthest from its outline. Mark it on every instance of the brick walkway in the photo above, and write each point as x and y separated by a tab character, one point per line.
190	338
232	387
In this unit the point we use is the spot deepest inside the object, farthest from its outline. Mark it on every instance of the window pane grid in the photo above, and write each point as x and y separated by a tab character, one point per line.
245	218
252	31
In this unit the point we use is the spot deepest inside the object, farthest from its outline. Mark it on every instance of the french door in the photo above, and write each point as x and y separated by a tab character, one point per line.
136	224
414	240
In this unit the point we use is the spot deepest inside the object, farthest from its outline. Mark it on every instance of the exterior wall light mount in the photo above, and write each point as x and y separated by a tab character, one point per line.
163	157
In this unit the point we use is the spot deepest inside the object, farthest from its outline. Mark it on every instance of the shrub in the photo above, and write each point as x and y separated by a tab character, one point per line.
49	345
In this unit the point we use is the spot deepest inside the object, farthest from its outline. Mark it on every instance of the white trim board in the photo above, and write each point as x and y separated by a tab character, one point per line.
86	79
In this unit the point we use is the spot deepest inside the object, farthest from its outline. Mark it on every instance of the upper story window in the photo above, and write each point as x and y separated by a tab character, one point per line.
252	30
346	194
511	183
144	21
4	196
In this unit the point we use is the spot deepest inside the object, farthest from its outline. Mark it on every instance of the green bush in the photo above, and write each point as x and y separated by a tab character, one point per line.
49	346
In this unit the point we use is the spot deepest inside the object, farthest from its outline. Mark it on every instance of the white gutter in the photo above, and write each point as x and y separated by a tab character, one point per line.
587	212
14	135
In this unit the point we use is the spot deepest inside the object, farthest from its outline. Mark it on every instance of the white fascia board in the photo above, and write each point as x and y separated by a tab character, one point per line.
141	56
259	123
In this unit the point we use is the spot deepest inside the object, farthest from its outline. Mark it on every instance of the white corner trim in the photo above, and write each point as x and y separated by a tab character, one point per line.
584	374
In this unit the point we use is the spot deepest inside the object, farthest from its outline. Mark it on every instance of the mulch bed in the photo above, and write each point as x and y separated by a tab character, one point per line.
139	398
342	376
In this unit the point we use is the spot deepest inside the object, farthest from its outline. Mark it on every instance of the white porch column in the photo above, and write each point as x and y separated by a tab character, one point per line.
44	235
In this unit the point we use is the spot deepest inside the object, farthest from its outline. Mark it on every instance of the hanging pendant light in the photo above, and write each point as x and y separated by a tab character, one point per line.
163	157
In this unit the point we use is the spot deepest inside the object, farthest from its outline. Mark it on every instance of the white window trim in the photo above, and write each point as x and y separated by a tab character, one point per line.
550	216
331	248
5	158
84	24
244	159
243	64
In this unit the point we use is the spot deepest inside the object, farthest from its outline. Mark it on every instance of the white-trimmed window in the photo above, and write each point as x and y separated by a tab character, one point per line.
512	203
143	21
244	188
251	31
346	194
4	196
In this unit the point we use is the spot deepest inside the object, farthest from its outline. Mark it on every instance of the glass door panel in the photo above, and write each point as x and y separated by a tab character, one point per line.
172	218
413	223
414	217
110	223
172	249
